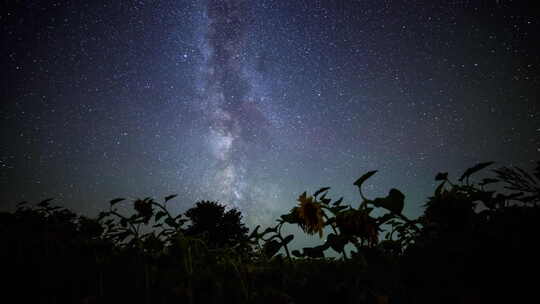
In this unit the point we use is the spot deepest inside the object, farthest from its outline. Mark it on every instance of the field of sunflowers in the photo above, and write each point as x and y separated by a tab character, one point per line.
474	243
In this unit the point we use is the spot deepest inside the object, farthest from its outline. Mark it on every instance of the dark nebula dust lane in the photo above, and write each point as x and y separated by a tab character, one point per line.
237	126
253	102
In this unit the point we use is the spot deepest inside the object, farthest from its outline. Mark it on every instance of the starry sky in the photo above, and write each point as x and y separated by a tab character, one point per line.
253	102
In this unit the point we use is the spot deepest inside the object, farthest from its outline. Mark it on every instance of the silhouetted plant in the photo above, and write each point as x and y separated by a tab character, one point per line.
349	225
273	240
516	179
217	226
467	230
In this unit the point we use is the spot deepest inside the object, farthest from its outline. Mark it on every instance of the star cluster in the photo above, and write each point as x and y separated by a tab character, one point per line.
253	102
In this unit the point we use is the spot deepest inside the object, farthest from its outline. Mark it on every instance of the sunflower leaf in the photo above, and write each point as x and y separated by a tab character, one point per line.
474	169
363	178
170	197
320	191
394	202
116	201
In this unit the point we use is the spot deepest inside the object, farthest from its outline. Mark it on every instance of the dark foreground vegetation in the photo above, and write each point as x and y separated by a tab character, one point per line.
471	245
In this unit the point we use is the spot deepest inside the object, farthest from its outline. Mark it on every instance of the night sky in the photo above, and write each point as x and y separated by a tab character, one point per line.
253	102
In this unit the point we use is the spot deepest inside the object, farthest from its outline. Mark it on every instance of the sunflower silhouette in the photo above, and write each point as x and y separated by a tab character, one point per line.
310	214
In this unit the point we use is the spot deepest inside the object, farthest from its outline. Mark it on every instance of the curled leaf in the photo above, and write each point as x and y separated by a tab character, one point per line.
363	178
116	201
474	169
336	203
320	191
170	197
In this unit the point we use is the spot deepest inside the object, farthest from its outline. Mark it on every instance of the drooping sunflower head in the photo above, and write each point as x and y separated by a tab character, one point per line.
359	224
310	214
